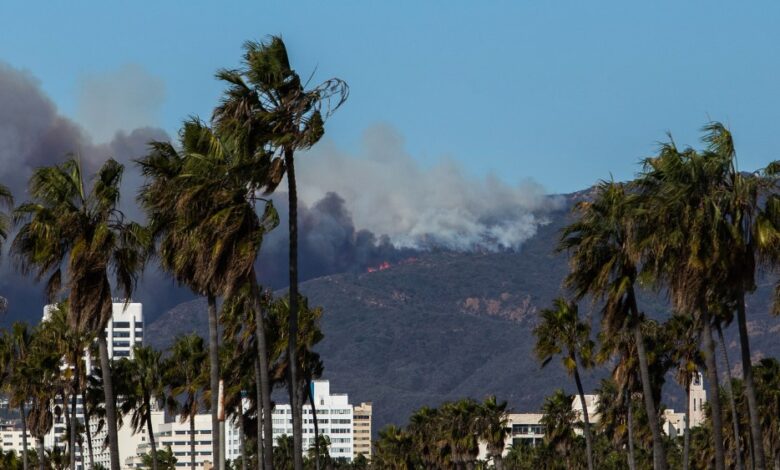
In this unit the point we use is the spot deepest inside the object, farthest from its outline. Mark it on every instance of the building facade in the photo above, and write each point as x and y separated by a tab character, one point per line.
361	425
334	418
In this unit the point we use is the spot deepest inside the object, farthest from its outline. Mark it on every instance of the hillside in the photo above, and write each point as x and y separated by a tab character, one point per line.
449	325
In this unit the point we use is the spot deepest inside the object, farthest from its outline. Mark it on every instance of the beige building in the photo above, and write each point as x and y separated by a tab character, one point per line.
361	429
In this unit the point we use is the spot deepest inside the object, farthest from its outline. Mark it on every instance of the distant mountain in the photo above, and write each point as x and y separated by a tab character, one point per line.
445	325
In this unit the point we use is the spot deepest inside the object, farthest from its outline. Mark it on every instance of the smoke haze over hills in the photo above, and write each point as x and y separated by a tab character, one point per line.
356	210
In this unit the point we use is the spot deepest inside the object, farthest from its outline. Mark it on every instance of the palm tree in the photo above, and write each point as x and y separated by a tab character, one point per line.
71	344
685	338
73	235
6	200
603	262
40	370
686	249
493	417
616	417
184	375
268	106
18	383
424	429
239	326
768	386
562	332
142	390
162	459
201	205
558	421
752	233
394	450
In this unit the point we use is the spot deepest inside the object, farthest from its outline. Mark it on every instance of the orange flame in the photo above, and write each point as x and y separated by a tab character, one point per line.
381	267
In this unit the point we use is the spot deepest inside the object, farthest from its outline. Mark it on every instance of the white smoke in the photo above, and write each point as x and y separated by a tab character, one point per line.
388	193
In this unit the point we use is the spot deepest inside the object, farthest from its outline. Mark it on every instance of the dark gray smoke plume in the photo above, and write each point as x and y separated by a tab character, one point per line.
328	243
34	134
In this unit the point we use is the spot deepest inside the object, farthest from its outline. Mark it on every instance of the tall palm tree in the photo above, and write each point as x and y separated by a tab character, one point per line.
73	235
6	200
142	390
184	375
751	228
269	107
201	205
561	331
604	259
687	250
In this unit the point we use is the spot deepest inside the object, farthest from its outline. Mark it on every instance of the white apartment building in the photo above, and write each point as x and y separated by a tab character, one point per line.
334	417
11	438
175	434
125	329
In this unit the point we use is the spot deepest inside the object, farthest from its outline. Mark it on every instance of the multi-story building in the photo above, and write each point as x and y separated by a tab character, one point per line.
11	437
176	434
125	329
361	425
334	417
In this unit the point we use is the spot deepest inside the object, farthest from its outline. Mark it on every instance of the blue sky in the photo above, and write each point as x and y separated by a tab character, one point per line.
564	93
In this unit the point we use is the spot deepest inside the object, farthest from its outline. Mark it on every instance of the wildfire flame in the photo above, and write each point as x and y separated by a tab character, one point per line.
380	267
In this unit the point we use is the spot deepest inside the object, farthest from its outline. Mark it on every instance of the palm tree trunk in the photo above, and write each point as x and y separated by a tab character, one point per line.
263	440
74	420
150	431
687	431
712	378
24	435
86	427
659	454
586	421
214	376
108	392
41	454
264	382
242	438
732	401
630	419
297	417
316	427
192	440
750	388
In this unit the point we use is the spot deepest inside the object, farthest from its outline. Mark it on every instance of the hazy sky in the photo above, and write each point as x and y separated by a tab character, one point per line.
560	92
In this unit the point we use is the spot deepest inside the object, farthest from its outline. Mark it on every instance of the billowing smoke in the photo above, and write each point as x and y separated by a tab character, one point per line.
355	211
32	134
389	193
328	243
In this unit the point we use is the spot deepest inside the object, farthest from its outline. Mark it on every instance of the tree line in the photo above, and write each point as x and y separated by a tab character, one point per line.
693	227
207	208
